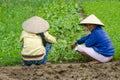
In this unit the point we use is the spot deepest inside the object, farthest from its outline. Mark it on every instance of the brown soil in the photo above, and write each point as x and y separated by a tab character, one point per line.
69	71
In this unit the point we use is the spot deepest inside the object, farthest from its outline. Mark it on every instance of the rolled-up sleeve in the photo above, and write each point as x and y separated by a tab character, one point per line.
49	38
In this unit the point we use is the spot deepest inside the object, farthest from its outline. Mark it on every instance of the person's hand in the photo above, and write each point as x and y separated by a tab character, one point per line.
73	45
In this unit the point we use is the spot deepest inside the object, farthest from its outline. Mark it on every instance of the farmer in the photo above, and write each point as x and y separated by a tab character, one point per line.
36	41
98	45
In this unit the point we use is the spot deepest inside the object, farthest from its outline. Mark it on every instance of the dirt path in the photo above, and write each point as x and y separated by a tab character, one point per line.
76	71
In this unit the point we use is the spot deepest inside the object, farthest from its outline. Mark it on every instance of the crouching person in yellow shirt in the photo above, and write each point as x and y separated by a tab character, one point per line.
36	41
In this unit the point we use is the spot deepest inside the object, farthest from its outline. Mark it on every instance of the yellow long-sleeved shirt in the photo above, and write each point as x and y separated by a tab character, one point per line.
33	45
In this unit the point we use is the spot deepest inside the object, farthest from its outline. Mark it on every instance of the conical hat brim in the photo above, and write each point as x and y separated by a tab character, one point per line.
92	19
35	25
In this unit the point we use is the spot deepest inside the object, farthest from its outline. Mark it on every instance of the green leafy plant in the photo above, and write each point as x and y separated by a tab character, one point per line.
62	15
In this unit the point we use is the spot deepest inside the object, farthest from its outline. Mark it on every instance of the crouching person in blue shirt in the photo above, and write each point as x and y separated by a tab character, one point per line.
98	45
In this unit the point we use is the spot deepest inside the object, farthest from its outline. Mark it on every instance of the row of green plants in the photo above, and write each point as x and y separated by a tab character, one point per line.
62	15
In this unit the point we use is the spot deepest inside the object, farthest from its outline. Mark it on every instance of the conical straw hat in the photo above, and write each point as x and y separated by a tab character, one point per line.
92	19
35	25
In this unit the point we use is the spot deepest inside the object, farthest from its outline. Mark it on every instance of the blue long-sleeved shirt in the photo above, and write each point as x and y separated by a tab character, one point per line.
99	41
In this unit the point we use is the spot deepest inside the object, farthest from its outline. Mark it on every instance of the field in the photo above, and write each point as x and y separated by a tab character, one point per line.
63	17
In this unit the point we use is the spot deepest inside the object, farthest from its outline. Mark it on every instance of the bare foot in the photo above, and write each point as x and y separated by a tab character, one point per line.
48	63
94	62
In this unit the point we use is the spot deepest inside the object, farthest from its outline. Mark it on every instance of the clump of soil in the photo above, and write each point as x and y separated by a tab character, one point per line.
69	71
